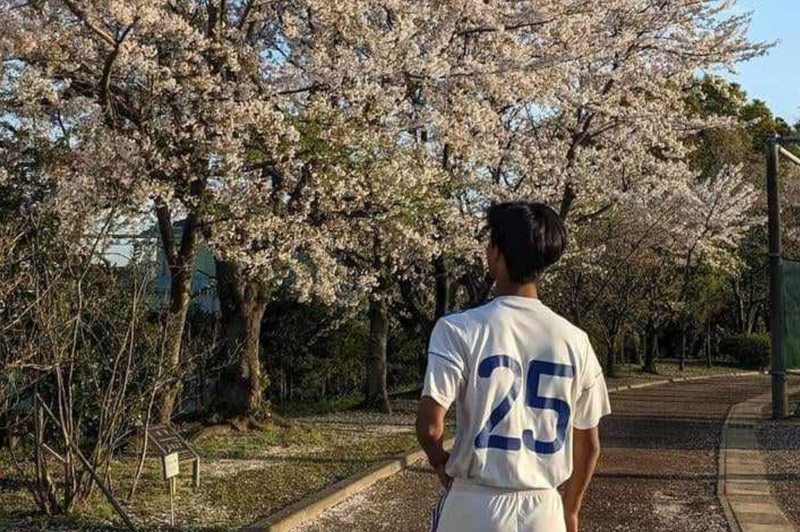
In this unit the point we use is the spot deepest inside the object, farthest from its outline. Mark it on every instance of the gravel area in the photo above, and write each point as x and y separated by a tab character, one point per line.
780	443
402	502
658	470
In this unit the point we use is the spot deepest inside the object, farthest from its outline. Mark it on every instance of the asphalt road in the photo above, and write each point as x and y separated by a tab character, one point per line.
658	471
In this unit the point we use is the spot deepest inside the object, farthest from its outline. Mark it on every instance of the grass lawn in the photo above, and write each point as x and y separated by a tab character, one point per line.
245	476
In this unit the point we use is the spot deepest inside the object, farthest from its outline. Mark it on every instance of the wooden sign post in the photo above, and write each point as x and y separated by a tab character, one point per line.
173	450
171	468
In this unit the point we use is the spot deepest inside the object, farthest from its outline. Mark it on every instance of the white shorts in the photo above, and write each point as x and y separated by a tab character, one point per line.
470	507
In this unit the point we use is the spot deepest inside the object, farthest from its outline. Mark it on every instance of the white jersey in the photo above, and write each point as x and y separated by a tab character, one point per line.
522	377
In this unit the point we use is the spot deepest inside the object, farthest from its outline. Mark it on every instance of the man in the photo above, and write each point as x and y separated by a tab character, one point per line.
529	389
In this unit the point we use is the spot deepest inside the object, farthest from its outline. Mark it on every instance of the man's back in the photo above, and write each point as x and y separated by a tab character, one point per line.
529	391
522	377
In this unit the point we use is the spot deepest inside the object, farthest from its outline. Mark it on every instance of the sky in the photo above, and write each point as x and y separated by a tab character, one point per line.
776	77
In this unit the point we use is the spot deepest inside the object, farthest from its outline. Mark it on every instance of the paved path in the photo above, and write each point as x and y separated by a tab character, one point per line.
658	471
780	450
744	483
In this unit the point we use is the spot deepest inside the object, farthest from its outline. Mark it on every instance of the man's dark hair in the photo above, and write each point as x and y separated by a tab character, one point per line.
531	237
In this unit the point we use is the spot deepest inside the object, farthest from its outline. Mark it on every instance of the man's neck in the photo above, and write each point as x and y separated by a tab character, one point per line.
516	289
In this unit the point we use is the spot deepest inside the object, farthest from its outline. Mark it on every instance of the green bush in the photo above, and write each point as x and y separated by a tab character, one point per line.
752	352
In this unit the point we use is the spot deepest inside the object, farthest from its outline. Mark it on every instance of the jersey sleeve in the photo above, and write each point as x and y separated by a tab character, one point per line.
592	403
445	375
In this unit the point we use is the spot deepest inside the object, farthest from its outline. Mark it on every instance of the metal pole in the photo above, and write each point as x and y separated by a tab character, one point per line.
780	402
789	155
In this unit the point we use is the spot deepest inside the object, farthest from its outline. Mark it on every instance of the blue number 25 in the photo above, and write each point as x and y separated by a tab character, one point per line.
485	439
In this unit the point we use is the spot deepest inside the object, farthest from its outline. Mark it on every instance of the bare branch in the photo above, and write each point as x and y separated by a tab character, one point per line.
248	8
105	81
82	15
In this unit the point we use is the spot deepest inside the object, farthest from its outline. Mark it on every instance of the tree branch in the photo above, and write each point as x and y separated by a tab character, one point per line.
589	216
413	304
511	27
105	80
83	17
165	229
248	8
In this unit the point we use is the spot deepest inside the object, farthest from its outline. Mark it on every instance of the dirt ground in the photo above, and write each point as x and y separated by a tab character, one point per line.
657	473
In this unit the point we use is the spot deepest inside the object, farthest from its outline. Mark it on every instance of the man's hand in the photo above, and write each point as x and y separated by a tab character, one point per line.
444	478
572	520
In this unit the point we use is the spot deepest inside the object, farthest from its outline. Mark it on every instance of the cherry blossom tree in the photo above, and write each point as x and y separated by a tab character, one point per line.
157	102
336	149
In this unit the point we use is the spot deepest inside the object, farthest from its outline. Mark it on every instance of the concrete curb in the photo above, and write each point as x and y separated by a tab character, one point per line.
311	507
733	524
743	486
661	382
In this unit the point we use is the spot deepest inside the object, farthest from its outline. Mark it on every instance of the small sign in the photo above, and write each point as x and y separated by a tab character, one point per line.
173	450
166	441
171	465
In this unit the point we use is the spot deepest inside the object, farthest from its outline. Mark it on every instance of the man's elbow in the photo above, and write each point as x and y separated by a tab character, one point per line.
589	441
423	430
594	449
430	422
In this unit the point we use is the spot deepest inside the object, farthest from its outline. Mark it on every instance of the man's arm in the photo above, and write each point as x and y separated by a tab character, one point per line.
586	452
430	434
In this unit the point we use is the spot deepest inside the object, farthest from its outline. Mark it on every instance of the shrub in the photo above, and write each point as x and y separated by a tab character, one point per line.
749	351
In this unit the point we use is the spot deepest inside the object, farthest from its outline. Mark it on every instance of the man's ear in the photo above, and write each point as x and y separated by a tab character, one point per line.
496	262
494	253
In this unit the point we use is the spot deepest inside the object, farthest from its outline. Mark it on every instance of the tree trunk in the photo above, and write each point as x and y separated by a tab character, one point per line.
442	288
643	351
180	297
638	357
243	303
376	393
752	318
442	306
709	355
248	377
180	258
651	356
611	359
682	365
740	310
422	358
622	352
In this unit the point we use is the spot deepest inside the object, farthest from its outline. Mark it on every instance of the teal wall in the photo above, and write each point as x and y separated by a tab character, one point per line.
791	286
204	292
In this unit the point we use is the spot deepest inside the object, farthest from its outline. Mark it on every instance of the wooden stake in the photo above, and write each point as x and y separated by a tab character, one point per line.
172	502
196	472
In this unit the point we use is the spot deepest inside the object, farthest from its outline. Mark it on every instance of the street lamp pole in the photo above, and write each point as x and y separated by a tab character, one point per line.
780	401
